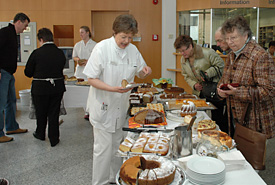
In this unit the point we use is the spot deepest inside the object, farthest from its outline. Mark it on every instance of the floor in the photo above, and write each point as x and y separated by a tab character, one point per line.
28	161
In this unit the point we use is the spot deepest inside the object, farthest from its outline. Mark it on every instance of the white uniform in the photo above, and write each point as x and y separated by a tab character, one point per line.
108	112
82	51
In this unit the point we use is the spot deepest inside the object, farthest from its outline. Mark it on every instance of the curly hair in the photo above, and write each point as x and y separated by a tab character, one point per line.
237	23
125	23
183	40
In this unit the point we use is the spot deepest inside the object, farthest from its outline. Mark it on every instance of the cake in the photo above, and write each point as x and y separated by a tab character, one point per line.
166	96
127	144
149	116
124	83
206	125
188	108
152	170
174	90
224	138
136	98
147	98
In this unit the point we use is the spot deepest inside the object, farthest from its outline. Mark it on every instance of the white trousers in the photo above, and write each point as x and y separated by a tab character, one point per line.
105	162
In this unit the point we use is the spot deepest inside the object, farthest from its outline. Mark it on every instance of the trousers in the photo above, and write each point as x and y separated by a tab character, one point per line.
105	162
7	103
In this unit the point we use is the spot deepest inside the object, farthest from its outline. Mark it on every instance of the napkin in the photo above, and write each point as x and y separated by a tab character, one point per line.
234	160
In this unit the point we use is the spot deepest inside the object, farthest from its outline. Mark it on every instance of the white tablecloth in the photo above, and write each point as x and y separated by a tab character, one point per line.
245	175
76	96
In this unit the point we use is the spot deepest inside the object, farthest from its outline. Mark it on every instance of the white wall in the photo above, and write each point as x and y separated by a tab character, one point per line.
168	37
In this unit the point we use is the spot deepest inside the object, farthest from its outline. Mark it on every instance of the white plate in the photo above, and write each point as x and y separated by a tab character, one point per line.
129	86
206	165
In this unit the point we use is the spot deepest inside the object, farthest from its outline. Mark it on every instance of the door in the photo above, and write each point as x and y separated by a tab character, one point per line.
102	23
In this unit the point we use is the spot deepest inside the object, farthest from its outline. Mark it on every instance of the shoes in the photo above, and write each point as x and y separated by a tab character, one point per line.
55	143
86	117
4	181
38	137
5	139
17	131
61	121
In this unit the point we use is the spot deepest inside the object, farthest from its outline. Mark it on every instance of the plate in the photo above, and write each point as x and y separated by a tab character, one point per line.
130	86
179	179
206	165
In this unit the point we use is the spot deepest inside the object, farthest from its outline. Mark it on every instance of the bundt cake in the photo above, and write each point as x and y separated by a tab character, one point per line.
188	108
153	170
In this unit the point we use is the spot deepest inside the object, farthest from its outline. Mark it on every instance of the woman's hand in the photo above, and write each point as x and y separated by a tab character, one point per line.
198	87
225	93
122	90
145	72
82	62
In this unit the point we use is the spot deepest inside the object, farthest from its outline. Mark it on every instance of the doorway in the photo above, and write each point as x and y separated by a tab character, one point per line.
102	23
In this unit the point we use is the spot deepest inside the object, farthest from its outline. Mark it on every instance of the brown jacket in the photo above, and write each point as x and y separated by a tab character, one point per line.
253	67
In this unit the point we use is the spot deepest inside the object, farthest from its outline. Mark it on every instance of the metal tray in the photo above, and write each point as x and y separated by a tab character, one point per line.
168	107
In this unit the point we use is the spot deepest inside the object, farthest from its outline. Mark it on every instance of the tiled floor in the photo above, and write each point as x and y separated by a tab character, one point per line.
28	161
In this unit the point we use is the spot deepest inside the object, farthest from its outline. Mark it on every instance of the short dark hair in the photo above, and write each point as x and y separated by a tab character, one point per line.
272	43
45	34
238	23
125	23
87	29
21	17
183	40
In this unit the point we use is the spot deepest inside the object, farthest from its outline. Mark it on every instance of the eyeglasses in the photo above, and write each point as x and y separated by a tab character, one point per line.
232	39
184	50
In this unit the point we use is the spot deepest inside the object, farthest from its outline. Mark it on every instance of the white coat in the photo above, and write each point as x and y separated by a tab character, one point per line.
82	51
108	110
111	64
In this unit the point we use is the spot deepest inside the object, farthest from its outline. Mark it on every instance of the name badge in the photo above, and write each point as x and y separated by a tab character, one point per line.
114	63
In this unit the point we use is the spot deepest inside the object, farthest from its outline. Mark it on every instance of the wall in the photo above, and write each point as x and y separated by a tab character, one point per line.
47	13
169	25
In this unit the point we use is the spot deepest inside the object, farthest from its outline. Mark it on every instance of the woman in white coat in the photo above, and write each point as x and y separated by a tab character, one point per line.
82	51
111	61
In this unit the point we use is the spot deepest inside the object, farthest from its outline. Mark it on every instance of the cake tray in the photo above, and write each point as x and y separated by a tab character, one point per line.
180	177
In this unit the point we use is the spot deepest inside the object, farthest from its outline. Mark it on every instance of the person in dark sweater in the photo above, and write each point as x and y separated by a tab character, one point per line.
8	66
45	65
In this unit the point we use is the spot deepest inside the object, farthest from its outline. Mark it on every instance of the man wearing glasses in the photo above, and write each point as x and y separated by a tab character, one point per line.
8	66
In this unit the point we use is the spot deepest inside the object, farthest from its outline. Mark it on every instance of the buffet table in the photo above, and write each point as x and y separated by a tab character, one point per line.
76	96
236	174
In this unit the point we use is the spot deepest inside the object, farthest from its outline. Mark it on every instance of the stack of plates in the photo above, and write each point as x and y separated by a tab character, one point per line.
205	170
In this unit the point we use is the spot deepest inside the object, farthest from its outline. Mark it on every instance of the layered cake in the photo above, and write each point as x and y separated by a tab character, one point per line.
149	116
152	170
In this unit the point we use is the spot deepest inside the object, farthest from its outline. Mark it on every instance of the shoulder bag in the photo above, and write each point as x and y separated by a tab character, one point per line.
251	143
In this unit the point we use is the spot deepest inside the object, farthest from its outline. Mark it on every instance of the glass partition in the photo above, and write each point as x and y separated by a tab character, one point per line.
266	26
220	15
198	23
